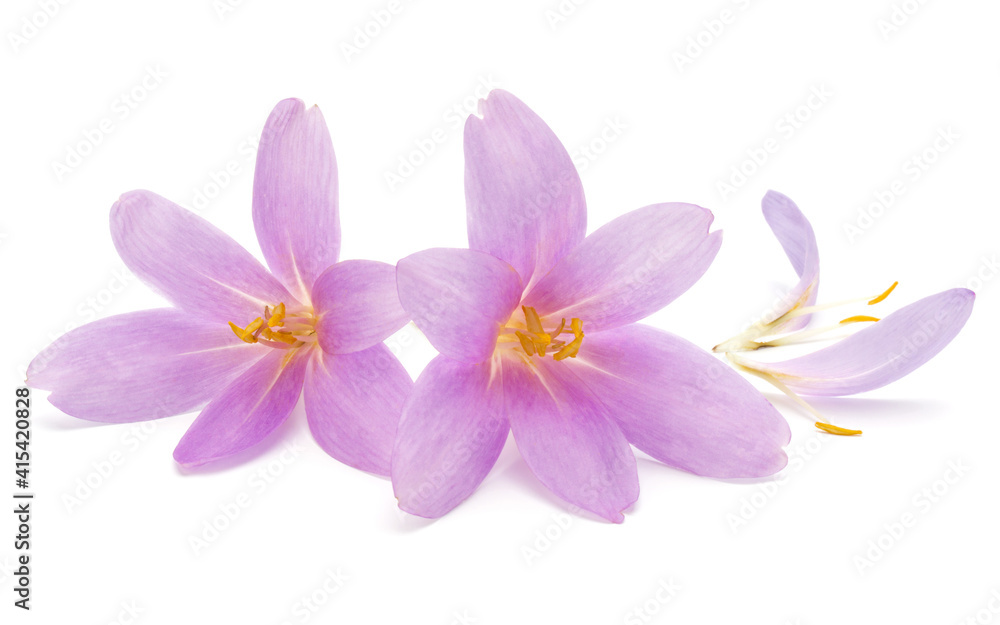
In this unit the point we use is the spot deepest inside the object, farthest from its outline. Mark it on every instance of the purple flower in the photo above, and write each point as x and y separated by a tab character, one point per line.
881	353
242	341
537	334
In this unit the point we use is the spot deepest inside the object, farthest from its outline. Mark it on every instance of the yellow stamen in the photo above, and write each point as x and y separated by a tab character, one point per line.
532	320
243	334
278	317
284	337
526	344
858	319
833	429
883	295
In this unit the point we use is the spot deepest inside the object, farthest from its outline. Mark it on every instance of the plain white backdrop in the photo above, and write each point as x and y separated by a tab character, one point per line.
878	118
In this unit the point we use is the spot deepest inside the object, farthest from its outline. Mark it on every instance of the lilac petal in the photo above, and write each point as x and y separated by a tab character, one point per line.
295	196
246	411
567	439
357	306
682	406
139	366
191	262
524	199
630	267
796	236
881	353
460	299
353	403
449	437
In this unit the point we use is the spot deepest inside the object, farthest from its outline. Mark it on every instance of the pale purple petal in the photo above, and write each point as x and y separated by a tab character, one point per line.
524	199
295	196
630	267
353	403
141	365
567	439
681	405
460	299
796	236
247	410
882	352
449	437
357	306
191	262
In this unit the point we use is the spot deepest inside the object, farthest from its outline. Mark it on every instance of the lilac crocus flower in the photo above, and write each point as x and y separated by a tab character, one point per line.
536	329
242	341
877	355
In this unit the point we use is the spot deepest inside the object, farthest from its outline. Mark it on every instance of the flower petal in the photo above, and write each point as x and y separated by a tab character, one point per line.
567	439
524	199
357	306
879	354
797	238
295	196
460	299
681	405
191	262
139	366
353	403
247	410
630	267
449	437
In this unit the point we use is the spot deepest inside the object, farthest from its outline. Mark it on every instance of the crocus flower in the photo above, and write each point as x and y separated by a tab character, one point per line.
881	353
535	326
240	340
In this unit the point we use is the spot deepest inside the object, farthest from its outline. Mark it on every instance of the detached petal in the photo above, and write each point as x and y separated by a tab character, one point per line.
139	366
681	405
798	240
191	262
460	299
523	196
881	353
295	196
564	434
449	437
629	268
353	403
249	409
357	306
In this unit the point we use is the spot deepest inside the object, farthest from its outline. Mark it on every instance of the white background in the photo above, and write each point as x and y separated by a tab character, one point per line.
783	551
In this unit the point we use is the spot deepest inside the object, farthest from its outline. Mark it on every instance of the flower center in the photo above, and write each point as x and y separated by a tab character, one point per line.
530	337
282	330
